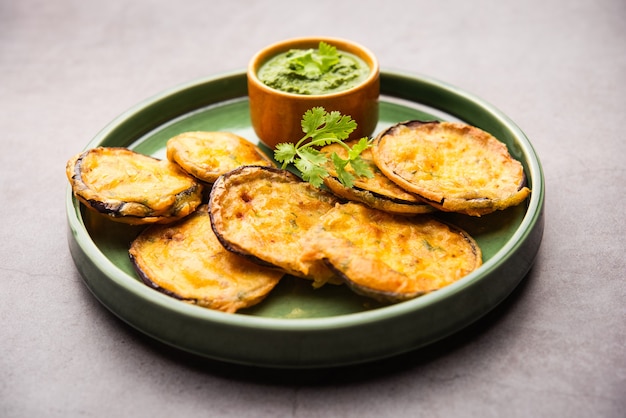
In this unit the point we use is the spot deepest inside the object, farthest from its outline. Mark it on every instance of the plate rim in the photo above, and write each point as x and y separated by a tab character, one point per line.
80	240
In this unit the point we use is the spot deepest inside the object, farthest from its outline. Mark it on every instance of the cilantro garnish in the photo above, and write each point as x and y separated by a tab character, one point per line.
312	63
323	128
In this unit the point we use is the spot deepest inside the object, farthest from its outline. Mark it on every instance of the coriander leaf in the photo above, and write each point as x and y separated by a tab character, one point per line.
313	155
312	173
339	162
344	176
313	63
313	119
337	125
328	56
311	165
359	147
285	153
361	168
306	65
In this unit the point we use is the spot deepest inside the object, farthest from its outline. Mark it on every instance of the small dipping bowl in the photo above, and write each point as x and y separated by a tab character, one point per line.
276	115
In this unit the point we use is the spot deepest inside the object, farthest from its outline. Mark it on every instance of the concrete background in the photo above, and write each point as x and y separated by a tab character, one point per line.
556	67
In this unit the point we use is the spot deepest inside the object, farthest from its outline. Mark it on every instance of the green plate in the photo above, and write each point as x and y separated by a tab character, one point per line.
298	326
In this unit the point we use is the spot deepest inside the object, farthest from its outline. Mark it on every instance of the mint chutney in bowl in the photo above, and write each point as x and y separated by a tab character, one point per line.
314	71
290	77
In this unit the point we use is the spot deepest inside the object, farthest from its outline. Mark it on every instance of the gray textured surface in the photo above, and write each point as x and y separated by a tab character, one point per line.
557	68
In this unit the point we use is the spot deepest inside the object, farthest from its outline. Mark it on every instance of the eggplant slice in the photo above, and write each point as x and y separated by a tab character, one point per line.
207	155
186	261
377	192
132	188
453	166
388	257
262	212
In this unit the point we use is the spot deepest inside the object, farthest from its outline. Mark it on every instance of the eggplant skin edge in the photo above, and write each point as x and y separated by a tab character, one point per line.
385	297
359	264
184	260
180	149
389	297
473	206
313	199
131	212
146	280
376	200
217	188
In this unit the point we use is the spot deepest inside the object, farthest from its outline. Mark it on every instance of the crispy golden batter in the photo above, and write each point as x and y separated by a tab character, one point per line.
391	258
453	166
262	213
185	260
207	155
377	192
132	188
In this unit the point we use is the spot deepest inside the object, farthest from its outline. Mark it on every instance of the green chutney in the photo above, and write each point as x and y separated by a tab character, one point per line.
305	71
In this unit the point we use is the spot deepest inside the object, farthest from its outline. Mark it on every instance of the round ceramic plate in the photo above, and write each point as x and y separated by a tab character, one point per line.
298	326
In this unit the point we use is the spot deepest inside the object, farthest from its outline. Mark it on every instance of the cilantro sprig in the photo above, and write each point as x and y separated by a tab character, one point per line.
312	63
324	128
